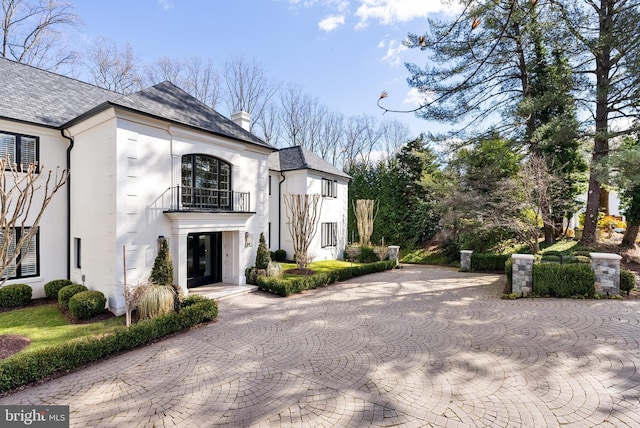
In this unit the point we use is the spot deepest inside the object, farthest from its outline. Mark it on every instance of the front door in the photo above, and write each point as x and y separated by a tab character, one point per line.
204	258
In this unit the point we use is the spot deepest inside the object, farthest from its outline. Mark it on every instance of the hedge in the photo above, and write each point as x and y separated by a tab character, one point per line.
488	261
508	270
285	287
568	280
14	295
24	368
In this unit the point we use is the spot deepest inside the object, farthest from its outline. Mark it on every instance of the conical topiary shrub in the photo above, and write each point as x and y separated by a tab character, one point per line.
162	272
263	256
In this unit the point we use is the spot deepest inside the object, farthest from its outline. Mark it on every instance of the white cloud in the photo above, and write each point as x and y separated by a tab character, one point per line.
330	23
165	4
392	11
417	98
394	50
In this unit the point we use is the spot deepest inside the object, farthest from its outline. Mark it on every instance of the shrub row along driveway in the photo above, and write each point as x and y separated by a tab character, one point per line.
419	346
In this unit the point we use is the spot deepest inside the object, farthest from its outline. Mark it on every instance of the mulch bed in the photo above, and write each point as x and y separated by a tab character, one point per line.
297	271
11	344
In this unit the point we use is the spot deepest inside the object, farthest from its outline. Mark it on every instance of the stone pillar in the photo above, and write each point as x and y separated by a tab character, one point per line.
465	260
606	268
394	253
522	276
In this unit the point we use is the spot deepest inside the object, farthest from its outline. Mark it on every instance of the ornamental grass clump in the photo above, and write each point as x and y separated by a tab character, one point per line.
157	300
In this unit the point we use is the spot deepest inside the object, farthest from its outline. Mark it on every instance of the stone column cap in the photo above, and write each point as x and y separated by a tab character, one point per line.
605	256
394	246
522	256
466	251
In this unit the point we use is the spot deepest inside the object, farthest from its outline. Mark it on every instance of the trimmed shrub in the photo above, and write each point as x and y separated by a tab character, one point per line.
556	280
51	288
251	275
285	287
488	262
192	299
14	295
263	256
24	368
551	258
87	304
280	255
162	271
66	293
627	280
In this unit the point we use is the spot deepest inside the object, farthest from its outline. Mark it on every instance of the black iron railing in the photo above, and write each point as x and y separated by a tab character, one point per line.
186	198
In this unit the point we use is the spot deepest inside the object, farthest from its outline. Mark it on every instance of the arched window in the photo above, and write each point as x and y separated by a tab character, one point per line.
206	182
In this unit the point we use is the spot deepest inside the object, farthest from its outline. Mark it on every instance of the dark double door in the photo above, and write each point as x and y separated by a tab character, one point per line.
204	258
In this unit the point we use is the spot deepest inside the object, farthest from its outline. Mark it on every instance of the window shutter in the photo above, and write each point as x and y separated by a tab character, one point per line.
7	146
29	258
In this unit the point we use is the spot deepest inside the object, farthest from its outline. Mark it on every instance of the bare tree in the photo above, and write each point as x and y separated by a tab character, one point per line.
365	211
114	68
302	211
360	138
194	75
247	87
30	31
23	201
393	134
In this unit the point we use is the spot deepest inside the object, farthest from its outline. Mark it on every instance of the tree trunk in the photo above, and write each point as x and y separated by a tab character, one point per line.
630	235
549	234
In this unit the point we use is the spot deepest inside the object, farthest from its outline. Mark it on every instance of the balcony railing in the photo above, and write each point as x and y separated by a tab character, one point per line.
185	198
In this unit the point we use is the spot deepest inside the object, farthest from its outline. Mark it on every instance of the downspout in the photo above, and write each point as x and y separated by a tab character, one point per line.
280	209
68	202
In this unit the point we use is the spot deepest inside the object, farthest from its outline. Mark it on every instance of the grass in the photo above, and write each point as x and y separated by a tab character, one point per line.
46	326
319	266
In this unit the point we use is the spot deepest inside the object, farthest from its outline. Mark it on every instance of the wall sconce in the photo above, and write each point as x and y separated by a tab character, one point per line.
247	239
161	239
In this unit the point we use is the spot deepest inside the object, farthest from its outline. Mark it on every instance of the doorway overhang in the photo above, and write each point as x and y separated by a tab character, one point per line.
191	222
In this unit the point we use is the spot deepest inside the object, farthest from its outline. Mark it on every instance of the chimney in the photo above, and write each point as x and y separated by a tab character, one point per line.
242	119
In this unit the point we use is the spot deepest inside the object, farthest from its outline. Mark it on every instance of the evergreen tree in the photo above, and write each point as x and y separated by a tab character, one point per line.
162	271
263	256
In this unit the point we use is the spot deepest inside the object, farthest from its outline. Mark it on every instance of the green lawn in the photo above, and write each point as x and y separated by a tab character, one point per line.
320	266
46	326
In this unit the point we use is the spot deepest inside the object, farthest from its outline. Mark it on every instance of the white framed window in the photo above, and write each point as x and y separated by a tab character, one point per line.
329	233
329	188
28	262
21	149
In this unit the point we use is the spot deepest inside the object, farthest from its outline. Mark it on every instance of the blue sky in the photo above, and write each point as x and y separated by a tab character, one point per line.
343	52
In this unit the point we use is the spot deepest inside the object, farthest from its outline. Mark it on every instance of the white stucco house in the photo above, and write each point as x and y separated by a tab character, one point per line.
157	164
297	170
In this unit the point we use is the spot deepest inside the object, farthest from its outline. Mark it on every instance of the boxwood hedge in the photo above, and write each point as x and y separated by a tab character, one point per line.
14	295
26	367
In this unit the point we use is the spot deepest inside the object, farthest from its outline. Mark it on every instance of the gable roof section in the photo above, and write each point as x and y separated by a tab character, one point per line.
40	97
298	157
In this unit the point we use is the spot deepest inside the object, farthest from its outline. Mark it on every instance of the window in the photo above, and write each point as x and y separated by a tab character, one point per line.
21	149
269	236
329	234
329	188
28	262
78	253
206	182
269	185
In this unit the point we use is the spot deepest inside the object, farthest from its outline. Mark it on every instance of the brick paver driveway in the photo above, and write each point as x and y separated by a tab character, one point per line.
419	346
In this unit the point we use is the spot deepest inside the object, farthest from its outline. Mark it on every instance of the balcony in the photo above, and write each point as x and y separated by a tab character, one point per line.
193	199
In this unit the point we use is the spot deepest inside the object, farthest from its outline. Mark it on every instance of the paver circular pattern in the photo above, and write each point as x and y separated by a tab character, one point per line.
418	346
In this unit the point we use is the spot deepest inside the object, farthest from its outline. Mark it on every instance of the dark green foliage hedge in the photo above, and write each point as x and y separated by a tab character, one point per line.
67	292
192	299
627	280
251	275
568	280
51	288
488	262
15	295
162	271
508	270
24	368
367	255
296	285
87	304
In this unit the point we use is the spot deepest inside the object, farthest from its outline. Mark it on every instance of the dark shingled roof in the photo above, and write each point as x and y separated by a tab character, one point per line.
298	157
31	95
